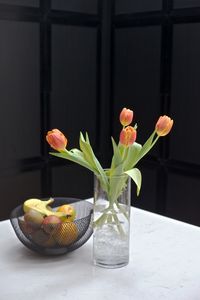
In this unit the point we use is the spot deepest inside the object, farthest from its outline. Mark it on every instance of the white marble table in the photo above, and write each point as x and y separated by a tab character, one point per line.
164	264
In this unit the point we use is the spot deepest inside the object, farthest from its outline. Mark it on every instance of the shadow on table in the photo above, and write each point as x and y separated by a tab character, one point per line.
20	257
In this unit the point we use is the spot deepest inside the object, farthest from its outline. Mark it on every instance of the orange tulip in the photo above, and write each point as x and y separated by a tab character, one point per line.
163	125
128	136
56	139
126	116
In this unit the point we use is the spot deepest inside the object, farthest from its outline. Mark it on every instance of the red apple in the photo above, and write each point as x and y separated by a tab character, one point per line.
25	227
50	223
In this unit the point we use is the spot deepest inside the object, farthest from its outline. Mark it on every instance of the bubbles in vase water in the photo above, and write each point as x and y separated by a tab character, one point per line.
111	233
109	245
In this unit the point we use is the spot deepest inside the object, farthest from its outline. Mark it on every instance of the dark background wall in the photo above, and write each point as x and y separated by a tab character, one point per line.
73	65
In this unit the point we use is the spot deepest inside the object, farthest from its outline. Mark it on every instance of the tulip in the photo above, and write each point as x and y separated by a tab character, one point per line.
128	136
126	116
56	139
163	125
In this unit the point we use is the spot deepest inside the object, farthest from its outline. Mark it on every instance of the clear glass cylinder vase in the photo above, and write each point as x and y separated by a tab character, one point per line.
111	222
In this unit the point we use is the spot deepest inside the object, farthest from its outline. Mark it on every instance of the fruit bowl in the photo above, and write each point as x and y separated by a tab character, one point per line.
55	239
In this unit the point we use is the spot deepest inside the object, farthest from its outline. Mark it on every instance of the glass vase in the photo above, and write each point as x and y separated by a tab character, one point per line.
111	222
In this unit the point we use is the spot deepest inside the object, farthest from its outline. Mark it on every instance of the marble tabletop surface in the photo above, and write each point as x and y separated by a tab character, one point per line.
164	264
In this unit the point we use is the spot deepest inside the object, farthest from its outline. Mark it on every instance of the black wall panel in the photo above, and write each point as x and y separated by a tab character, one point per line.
16	188
186	93
72	181
147	197
74	65
19	91
127	6
186	3
137	76
21	2
156	71
73	101
86	6
183	198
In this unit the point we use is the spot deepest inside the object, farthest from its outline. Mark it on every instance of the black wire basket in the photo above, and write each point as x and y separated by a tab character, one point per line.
62	238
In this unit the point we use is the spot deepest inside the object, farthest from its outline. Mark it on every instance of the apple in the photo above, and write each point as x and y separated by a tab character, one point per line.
50	223
25	227
40	237
50	242
33	219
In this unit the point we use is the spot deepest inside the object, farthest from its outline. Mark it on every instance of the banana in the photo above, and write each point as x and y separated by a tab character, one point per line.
41	206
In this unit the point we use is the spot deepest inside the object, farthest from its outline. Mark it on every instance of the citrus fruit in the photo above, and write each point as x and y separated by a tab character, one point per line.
69	212
66	234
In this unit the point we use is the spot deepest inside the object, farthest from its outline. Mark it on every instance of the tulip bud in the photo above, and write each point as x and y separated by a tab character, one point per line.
163	125
56	139
126	117
128	136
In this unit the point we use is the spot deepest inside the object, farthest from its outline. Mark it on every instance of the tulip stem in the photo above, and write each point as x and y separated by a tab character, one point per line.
109	214
104	218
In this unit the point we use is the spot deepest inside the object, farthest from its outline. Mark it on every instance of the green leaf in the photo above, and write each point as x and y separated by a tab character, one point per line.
93	161
132	156
87	152
136	175
147	146
116	171
75	157
87	138
117	158
77	152
118	182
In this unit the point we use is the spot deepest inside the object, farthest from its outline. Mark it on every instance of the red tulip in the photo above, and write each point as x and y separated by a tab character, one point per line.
163	125
126	116
56	139
128	136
